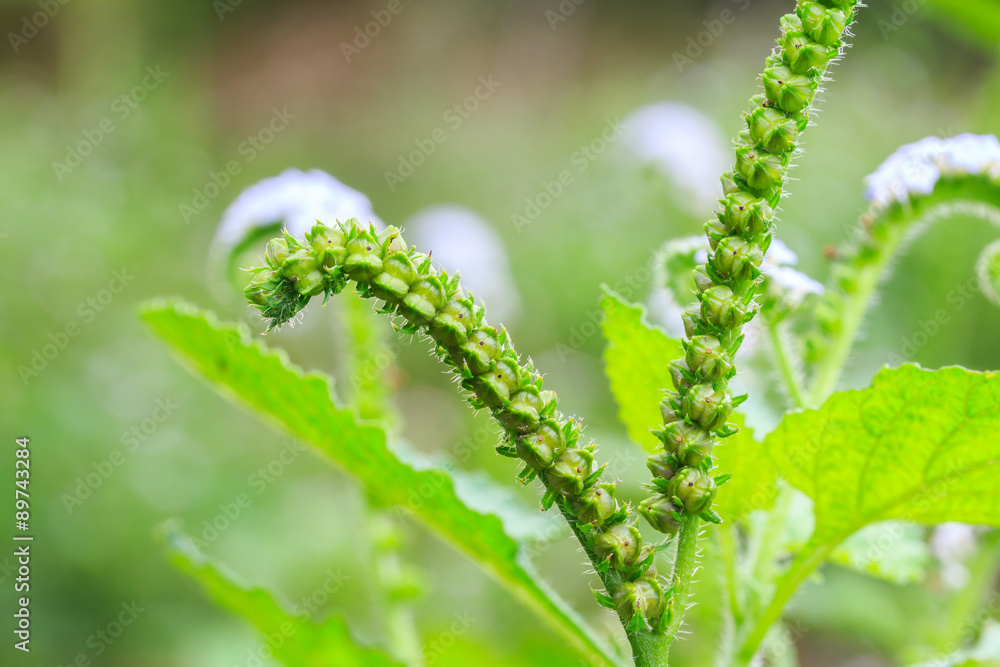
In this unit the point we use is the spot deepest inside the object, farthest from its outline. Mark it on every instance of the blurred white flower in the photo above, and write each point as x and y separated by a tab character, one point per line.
685	145
296	199
952	544
794	285
916	168
462	241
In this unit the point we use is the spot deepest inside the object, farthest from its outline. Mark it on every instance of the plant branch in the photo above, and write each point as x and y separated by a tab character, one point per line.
808	560
790	374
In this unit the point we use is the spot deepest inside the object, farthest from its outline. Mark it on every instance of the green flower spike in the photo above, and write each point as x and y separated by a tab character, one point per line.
695	414
424	300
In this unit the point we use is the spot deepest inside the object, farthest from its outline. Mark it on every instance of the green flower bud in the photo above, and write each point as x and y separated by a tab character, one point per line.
398	273
327	245
802	54
311	284
663	466
541	448
694	489
760	169
276	253
482	348
746	215
706	357
715	230
570	471
261	287
729	185
708	407
391	238
787	91
364	258
596	505
824	24
691	319
452	323
425	298
773	130
737	259
701	278
523	412
721	308
679	374
689	443
668	413
298	265
661	513
644	598
621	544
493	387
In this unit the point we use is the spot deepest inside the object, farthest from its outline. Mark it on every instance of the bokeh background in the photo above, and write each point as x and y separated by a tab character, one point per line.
137	211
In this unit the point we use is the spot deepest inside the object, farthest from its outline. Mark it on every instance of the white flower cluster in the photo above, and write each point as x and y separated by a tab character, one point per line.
295	199
916	168
684	144
777	267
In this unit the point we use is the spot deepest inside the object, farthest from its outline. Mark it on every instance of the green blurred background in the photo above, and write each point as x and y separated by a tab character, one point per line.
917	68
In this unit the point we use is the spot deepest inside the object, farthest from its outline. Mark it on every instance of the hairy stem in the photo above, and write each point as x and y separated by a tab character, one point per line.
789	373
853	311
421	299
808	560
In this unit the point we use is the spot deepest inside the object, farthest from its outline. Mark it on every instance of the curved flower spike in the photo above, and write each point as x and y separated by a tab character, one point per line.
424	300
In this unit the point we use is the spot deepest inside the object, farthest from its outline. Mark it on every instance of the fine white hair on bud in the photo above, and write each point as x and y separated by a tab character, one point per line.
915	169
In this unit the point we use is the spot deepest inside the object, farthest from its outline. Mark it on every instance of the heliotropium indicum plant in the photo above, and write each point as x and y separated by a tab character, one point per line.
847	477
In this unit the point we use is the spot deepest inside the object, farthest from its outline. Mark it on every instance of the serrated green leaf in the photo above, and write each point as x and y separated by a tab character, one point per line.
636	359
918	445
753	486
294	639
302	404
891	550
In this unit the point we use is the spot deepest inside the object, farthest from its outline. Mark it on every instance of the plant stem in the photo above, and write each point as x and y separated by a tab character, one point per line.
779	345
855	306
727	540
651	649
807	561
400	624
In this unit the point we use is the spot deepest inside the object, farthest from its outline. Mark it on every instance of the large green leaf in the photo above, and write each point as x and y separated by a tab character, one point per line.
636	359
295	640
302	404
917	445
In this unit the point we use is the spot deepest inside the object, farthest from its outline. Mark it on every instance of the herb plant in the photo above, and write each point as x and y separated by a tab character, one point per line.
917	446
